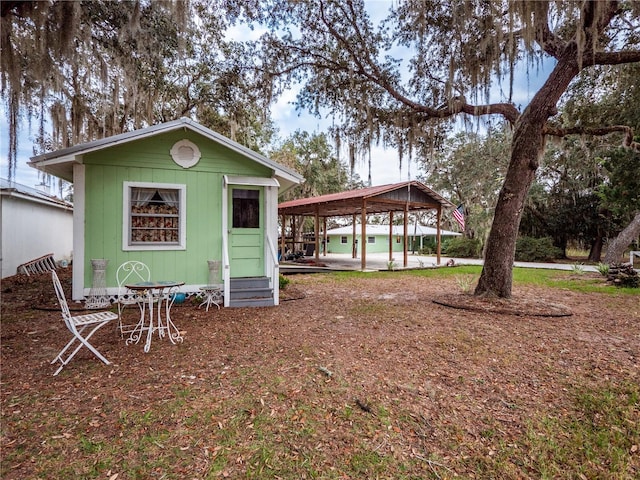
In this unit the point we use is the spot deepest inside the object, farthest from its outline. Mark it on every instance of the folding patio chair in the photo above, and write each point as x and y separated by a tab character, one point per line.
77	326
130	272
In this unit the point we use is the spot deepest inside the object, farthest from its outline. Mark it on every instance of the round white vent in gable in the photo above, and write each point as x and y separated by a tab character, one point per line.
185	153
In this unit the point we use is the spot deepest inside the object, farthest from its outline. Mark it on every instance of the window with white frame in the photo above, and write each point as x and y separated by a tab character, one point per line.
371	239
343	239
154	216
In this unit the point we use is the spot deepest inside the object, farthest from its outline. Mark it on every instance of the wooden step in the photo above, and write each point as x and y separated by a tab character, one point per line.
250	292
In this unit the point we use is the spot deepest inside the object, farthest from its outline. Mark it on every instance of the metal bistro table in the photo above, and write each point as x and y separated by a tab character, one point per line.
160	295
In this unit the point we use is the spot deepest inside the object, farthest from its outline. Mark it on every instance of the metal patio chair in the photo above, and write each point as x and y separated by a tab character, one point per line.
78	325
213	291
132	271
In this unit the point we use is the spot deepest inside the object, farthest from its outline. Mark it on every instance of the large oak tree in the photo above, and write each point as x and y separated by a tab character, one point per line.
431	61
87	70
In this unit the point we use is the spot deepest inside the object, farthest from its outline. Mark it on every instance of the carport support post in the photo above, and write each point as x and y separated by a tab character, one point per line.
354	246
324	236
293	234
406	222
283	237
438	215
391	236
363	237
316	233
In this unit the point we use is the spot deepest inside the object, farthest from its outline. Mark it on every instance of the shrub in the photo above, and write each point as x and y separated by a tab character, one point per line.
529	249
283	281
578	268
603	268
465	282
462	247
428	246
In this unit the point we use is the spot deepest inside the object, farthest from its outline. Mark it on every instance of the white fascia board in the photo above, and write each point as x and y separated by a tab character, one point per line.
253	181
40	165
40	201
75	152
289	178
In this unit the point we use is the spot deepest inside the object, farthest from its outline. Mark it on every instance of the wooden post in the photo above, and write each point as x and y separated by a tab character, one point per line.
390	236
354	247
324	236
283	237
293	234
406	243
363	237
316	233
438	215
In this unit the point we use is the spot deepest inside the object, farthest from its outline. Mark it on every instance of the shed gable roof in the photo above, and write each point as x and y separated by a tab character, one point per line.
60	162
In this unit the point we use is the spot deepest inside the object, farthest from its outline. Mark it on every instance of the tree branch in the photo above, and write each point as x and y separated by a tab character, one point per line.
627	141
614	58
507	110
375	75
593	27
549	42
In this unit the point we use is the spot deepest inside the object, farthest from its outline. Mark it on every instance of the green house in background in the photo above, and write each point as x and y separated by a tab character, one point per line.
174	196
340	240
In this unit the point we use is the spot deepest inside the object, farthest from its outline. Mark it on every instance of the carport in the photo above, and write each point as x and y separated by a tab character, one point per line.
397	197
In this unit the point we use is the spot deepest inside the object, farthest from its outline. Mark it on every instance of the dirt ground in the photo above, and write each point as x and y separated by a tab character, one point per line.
384	342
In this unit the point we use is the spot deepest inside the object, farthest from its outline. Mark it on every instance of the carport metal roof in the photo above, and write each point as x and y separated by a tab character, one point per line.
404	197
411	195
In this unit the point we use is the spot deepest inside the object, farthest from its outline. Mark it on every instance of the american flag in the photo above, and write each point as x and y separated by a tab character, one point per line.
458	214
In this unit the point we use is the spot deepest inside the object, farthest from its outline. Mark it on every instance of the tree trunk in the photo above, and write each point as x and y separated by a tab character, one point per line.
560	241
596	248
526	149
616	248
496	277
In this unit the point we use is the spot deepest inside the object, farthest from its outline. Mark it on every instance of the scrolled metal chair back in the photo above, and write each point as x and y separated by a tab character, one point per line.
62	299
132	271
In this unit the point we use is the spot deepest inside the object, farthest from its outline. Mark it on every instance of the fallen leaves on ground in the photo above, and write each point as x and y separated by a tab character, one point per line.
348	377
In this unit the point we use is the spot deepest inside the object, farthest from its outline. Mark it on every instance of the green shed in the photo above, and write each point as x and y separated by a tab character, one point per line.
174	196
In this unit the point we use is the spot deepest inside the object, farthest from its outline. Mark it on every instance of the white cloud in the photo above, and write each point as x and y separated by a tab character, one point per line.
385	167
244	33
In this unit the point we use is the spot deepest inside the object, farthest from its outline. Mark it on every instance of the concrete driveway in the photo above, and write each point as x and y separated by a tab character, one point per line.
380	261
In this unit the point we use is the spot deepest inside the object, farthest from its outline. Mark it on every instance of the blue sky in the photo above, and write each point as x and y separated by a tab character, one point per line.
24	173
385	162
